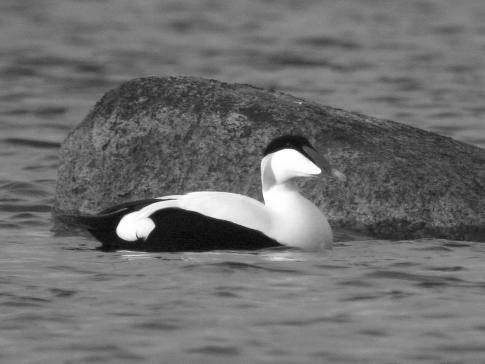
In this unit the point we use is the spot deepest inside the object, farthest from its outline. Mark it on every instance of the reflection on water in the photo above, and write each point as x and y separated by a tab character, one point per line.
419	62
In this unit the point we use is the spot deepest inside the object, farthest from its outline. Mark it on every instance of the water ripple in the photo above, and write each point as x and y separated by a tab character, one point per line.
40	144
425	281
323	41
226	267
216	350
25	207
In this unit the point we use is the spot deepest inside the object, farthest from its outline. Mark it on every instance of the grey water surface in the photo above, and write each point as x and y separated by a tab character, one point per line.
420	62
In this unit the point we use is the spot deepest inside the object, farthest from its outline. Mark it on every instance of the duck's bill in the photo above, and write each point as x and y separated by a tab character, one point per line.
323	163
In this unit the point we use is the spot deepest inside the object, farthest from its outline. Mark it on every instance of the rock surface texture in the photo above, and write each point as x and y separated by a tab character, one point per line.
158	136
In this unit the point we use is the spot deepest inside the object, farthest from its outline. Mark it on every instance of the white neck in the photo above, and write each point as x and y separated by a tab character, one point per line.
295	220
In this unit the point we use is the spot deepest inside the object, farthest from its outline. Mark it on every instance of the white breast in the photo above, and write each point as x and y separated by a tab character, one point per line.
296	221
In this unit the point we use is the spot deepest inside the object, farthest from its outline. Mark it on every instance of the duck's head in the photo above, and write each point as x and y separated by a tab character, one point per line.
292	156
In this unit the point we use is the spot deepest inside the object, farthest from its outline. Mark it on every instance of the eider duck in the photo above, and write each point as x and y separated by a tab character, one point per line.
209	220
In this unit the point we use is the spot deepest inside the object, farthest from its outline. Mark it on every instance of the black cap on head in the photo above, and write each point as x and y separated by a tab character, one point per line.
300	144
296	142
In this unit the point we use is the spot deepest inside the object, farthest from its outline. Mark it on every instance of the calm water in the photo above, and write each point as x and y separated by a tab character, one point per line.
418	62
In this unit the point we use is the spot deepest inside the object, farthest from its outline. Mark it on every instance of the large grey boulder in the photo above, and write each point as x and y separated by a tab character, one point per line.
157	136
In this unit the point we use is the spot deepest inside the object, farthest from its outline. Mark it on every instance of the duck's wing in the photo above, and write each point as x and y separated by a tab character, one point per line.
196	221
230	207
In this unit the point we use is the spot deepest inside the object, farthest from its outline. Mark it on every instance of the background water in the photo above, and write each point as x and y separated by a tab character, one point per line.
420	62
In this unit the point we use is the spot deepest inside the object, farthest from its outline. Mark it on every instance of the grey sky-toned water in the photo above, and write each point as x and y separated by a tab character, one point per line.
418	62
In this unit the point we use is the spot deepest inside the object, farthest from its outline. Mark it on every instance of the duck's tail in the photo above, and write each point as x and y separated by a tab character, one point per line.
103	225
92	222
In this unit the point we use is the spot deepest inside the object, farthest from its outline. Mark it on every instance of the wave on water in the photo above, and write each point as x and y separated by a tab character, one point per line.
41	144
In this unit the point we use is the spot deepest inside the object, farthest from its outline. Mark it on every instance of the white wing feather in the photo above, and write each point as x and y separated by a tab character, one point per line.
233	207
239	209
